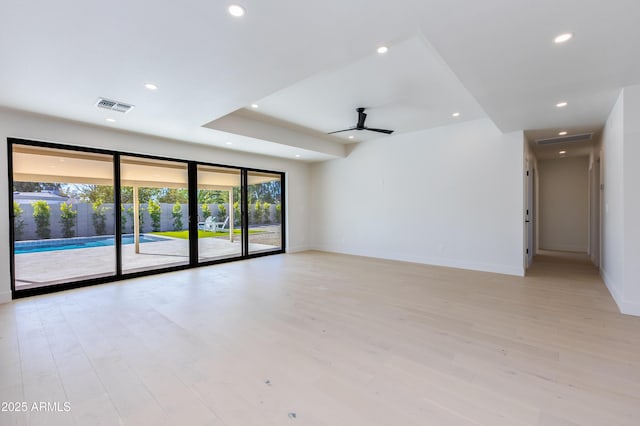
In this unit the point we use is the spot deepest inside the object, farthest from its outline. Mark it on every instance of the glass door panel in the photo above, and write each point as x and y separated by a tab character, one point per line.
154	214
219	218
264	196
63	213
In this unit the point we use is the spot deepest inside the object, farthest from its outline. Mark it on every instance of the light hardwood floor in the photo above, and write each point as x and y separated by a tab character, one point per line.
325	339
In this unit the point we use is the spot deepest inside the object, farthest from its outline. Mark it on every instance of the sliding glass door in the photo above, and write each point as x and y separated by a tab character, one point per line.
219	213
82	216
63	216
154	213
264	196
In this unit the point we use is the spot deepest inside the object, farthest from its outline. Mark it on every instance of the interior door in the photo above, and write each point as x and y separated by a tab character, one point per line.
529	216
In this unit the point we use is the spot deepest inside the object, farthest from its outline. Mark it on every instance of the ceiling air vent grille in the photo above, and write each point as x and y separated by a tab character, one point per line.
565	139
113	105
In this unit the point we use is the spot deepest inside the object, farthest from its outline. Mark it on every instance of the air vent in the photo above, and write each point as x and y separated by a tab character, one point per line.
113	105
565	139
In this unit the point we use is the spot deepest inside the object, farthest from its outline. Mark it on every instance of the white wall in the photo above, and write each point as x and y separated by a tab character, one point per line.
621	229
631	176
612	267
35	127
564	204
449	196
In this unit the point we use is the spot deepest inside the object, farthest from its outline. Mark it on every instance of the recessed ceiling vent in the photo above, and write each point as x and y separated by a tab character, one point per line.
113	105
565	139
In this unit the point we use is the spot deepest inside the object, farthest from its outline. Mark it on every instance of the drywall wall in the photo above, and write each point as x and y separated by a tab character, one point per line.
631	178
612	268
564	204
449	196
36	127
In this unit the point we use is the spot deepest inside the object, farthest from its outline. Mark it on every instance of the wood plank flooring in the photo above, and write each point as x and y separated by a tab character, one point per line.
325	339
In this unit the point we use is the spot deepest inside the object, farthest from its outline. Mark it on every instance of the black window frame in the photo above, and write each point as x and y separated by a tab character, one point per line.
193	218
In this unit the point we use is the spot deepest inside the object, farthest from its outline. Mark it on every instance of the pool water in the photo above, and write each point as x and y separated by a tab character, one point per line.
76	243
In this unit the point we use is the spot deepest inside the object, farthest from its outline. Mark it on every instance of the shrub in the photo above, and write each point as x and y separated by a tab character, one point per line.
278	213
257	212
155	212
266	212
206	211
140	218
67	219
99	217
123	219
177	216
237	219
222	212
18	222
41	215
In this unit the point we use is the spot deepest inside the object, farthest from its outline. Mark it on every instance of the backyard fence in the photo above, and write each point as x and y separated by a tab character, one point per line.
84	224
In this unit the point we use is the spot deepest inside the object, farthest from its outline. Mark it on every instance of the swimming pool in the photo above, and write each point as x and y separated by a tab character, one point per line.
80	242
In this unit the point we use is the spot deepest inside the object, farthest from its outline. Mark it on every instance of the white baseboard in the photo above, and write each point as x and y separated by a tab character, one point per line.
297	249
625	306
5	297
449	263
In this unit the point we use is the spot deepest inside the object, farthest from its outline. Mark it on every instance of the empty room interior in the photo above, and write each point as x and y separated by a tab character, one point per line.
335	213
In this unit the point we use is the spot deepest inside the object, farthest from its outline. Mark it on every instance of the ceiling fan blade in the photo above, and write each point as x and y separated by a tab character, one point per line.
388	132
345	130
361	118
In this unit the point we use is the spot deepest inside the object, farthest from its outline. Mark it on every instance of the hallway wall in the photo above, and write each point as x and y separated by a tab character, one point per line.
564	204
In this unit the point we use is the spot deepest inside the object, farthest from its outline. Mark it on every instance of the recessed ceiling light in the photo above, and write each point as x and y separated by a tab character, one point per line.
151	86
562	152
562	133
563	38
111	120
229	143
351	137
382	50
297	155
455	114
236	10
561	104
254	105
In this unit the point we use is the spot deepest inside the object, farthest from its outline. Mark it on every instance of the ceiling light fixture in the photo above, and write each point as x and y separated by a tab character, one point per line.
297	155
151	86
351	137
563	38
236	10
382	50
111	120
254	106
455	114
229	143
561	104
562	133
562	152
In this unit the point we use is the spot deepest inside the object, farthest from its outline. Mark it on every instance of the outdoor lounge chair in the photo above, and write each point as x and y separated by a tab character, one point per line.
219	226
208	224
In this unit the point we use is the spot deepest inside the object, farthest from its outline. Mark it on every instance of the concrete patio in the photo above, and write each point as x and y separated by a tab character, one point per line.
61	266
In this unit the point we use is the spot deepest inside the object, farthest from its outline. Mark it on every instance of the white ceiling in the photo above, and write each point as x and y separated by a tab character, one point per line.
313	63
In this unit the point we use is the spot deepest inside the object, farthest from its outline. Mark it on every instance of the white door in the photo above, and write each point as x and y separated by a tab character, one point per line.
529	215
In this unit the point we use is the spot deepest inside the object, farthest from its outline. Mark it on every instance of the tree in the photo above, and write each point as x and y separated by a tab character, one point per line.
67	219
41	215
257	212
99	217
18	222
222	211
278	213
177	216
206	211
155	212
266	212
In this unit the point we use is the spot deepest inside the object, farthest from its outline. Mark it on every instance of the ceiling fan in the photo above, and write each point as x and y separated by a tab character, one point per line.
360	126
